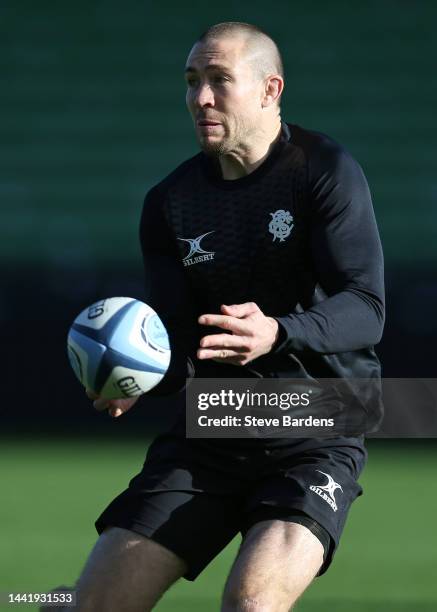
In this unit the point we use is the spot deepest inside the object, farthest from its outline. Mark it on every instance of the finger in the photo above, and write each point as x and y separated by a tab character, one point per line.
240	310
115	406
116	412
91	394
234	350
219	353
232	360
223	341
105	404
101	404
232	324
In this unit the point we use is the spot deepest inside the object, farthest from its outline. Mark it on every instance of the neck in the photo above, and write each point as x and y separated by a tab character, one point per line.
239	163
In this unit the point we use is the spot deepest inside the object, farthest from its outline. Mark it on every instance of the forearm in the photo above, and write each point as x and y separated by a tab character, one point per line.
344	322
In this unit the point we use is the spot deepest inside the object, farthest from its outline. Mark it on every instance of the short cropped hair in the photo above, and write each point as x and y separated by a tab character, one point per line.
262	49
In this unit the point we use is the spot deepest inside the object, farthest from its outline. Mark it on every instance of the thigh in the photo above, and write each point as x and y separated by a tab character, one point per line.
126	571
320	484
277	560
187	508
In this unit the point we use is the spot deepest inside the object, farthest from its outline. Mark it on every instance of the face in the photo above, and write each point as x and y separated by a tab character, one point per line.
223	95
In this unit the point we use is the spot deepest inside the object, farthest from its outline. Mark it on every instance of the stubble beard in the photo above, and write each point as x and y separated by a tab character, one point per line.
214	149
225	146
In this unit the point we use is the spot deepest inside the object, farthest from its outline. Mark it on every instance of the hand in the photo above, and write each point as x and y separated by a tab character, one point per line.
252	334
115	407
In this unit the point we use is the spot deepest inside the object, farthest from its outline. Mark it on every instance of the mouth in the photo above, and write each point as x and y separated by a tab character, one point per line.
207	123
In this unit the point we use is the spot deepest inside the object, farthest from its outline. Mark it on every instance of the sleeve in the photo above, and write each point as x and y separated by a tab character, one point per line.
167	292
347	312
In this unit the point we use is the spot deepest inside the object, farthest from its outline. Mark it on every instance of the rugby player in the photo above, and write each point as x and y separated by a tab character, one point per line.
242	297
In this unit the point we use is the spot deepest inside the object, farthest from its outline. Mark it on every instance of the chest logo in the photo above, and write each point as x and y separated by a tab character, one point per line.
196	249
281	224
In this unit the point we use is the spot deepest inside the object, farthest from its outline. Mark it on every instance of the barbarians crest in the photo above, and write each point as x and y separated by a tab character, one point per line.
281	224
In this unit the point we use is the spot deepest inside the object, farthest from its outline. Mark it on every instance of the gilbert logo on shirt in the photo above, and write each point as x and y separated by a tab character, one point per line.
195	248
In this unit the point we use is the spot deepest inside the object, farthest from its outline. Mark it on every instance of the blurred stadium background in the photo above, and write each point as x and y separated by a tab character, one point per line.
92	115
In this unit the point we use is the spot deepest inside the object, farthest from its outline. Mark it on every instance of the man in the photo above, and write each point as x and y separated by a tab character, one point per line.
242	296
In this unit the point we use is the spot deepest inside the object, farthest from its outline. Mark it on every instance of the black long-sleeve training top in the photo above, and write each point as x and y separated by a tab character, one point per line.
297	236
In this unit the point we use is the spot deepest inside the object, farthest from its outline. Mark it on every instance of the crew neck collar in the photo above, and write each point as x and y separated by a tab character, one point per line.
212	170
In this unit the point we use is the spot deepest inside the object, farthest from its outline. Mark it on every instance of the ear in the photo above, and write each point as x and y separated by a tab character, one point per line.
273	88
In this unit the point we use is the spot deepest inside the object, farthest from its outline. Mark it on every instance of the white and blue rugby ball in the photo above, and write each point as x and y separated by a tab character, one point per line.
118	348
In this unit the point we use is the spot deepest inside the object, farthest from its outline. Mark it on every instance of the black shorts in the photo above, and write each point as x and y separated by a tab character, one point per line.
194	502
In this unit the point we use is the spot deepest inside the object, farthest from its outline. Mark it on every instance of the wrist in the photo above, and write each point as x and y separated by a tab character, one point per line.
275	331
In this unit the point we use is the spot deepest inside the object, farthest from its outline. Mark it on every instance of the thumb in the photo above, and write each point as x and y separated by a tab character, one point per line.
240	310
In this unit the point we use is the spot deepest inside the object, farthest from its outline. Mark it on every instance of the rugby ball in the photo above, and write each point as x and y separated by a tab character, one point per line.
118	348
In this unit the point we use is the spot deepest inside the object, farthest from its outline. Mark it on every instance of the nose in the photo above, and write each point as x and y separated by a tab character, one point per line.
204	95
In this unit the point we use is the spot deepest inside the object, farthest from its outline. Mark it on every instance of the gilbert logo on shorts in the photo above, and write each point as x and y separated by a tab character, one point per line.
327	491
281	224
195	248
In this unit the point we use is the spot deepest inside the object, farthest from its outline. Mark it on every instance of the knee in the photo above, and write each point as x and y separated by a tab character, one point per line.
234	602
255	601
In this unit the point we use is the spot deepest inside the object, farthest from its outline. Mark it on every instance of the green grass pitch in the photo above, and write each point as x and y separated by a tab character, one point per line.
53	490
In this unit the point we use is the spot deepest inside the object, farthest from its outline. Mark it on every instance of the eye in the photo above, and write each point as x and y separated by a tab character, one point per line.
220	79
191	81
